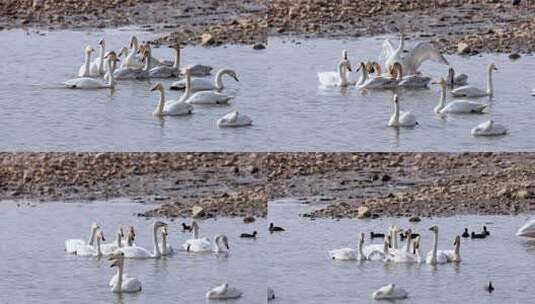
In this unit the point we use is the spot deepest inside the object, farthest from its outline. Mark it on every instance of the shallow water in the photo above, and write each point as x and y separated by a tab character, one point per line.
35	268
278	88
301	271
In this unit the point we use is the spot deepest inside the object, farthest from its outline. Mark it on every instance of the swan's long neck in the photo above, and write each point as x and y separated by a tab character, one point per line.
161	103
342	73
176	64
119	239
396	120
92	236
490	88
111	80
148	61
217	248
364	75
87	63
119	282
401	42
435	245
442	101
196	232
101	60
385	248
99	253
164	243
157	252
187	92
457	249
361	253
409	241
395	239
219	79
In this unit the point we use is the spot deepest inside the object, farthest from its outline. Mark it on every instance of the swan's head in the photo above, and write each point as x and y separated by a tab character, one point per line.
396	99
89	49
223	240
416	244
101	42
121	232
361	238
159	224
457	241
111	56
94	226
158	86
100	236
397	69
133	41
346	64
344	55
117	259
493	67
362	66
434	228
123	51
187	72
131	231
194	225
233	74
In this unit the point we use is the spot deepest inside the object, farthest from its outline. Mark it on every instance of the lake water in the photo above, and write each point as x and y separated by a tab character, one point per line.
278	88
35	267
301	271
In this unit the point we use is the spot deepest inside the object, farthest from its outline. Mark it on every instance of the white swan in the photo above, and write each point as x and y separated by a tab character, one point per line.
405	255
110	248
378	252
454	80
129	241
382	81
364	76
436	256
165	248
164	71
413	81
489	128
130	72
527	230
71	245
455	254
203	84
84	70
339	78
223	292
234	119
401	119
93	83
390	292
456	106
471	91
99	66
132	59
123	283
203	97
136	252
412	61
172	107
88	250
347	254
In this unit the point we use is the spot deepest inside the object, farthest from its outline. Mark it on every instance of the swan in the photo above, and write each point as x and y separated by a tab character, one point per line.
223	292
84	70
234	119
339	78
123	283
454	255
164	71
135	72
110	248
88	250
197	244
130	237
202	84
347	254
98	66
136	252
172	107
401	119
221	244
390	292
456	106
165	249
270	294
456	80
436	256
382	81
364	76
71	245
412	61
203	245
489	128
93	83
203	97
378	252
413	81
406	256
527	230
132	59
471	91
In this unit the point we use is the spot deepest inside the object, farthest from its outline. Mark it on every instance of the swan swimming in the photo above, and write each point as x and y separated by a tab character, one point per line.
412	61
471	91
99	66
456	106
110	248
489	128
84	70
71	245
125	284
527	230
88	250
203	84
234	119
172	107
166	249
93	83
382	81
223	292
132	59
164	71
401	119
406	256
129	72
212	97
455	254
436	256
136	252
390	292
339	78
347	254
454	80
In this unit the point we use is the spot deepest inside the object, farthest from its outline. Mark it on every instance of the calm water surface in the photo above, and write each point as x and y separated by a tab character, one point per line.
301	271
278	88
35	269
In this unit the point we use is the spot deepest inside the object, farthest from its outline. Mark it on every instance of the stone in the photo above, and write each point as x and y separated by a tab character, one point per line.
207	39
463	48
259	46
363	212
198	212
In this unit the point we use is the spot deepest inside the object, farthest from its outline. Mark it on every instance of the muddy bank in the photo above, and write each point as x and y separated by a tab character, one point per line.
228	21
412	184
209	180
485	26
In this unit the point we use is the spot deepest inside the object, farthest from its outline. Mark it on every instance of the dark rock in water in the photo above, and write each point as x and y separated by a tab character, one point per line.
414	219
514	56
259	46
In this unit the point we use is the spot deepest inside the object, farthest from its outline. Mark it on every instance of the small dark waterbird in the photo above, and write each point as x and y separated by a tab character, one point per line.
376	235
478	235
273	228
485	231
489	287
248	235
465	233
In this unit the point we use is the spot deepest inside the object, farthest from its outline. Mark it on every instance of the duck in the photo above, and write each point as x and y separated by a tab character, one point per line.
234	119
401	119
123	284
94	83
489	287
457	106
465	233
376	235
136	252
224	292
165	249
71	245
248	235
485	231
339	78
527	230
390	292
489	128
347	254
172	107
95	251
435	256
477	235
273	228
471	91
110	248
454	80
203	84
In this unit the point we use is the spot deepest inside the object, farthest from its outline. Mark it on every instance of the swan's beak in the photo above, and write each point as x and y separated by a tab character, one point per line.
115	263
154	88
349	68
236	78
358	69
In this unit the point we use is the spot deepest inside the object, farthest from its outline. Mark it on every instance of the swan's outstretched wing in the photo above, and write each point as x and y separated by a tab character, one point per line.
386	51
422	52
